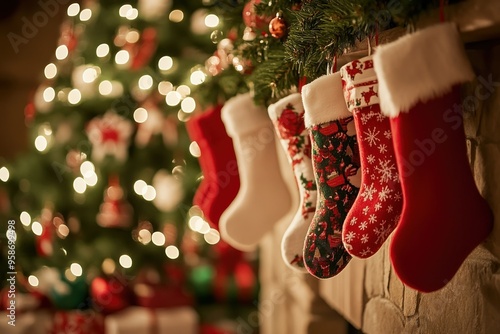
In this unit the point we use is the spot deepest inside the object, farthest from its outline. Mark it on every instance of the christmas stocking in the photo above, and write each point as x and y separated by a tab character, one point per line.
288	117
218	163
263	197
376	211
203	191
335	161
444	217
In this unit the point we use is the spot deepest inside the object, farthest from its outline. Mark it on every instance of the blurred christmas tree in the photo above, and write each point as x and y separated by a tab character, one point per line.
105	193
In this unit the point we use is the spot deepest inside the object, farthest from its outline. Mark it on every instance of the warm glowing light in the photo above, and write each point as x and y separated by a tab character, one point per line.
205	228
144	236
124	10
41	143
173	98
33	280
74	96
164	87
132	36
108	266
197	77
132	14
102	50
145	82
89	75
195	223
212	237
211	20
91	180
140	187
62	52
37	228
79	185
158	238
85	14
122	57
76	269
49	94
150	193
87	168
105	87
4	174
140	115
172	252
188	105
184	90
194	149
176	15
73	9
165	63
25	218
125	261
63	230
50	71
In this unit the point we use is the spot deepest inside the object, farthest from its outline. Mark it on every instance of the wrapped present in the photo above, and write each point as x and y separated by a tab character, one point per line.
78	322
136	319
33	322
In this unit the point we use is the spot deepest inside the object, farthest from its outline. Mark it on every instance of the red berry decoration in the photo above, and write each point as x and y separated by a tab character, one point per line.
277	27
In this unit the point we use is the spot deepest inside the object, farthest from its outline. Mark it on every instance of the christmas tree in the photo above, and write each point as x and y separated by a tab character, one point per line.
104	194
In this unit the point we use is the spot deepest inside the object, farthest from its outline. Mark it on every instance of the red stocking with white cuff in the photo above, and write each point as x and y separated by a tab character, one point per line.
376	211
444	217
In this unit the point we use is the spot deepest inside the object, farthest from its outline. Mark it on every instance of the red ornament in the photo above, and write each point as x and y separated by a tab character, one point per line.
250	17
277	27
110	295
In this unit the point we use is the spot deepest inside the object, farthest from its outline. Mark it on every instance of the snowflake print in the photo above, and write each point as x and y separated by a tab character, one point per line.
382	149
388	134
354	220
382	233
364	238
389	209
380	117
350	236
368	192
386	170
372	219
366	252
372	136
378	206
397	197
366	117
370	158
366	209
384	194
363	226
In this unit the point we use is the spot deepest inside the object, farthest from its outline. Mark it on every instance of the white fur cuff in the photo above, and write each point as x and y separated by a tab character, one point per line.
419	67
324	100
241	116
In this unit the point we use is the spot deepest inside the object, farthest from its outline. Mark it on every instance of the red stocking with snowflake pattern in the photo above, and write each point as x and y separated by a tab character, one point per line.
444	217
376	211
335	159
288	117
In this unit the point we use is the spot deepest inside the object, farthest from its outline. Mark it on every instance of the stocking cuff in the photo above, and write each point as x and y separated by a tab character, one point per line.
419	67
323	100
360	83
294	101
241	116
